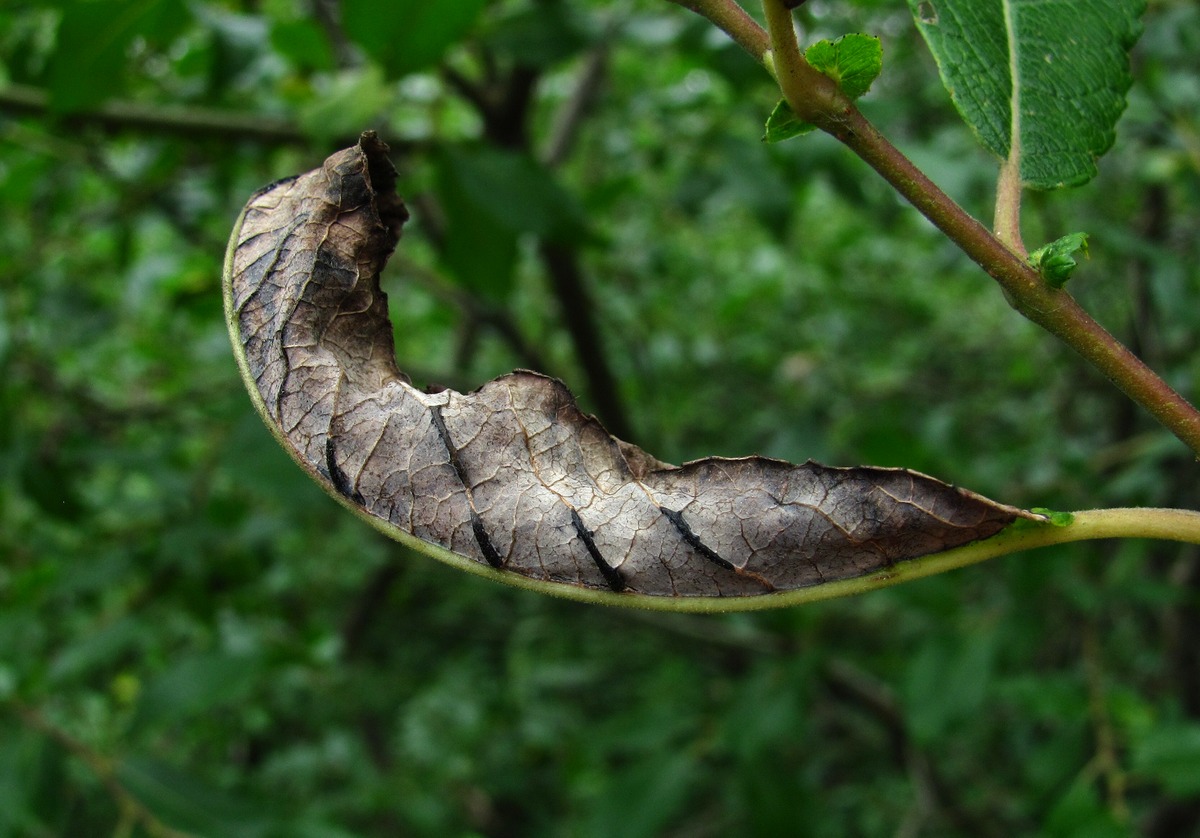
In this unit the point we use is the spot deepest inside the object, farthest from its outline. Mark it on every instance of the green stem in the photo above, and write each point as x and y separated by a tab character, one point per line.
813	96
1167	524
1007	222
808	93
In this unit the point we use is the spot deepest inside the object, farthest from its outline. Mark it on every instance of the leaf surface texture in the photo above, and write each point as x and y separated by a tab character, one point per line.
1042	79
514	475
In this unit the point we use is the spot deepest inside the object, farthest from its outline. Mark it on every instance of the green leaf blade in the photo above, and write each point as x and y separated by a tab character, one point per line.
1045	81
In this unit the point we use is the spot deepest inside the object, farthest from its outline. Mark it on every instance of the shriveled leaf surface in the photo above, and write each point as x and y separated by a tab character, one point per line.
1044	78
514	475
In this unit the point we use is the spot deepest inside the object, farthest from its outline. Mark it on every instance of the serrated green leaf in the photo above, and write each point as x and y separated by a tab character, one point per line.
1056	261
853	61
1043	80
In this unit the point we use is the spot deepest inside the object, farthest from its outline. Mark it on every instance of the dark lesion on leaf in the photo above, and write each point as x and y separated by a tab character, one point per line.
611	575
307	312
338	477
477	529
696	543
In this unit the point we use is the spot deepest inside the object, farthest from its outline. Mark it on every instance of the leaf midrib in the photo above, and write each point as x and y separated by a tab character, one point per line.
1014	140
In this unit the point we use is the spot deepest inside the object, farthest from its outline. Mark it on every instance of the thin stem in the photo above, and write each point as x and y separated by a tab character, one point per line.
569	119
813	96
1053	309
189	122
810	96
505	124
476	308
1008	188
1107	763
1007	222
733	20
1166	524
563	268
101	767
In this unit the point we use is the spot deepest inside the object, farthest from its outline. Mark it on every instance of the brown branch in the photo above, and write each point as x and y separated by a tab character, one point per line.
1053	309
816	98
189	122
566	278
568	119
933	790
733	20
505	117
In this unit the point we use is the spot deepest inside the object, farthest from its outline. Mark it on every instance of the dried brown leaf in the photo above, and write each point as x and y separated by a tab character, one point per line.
514	475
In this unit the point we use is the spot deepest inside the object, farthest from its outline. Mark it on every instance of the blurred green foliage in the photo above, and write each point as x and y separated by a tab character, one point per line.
194	638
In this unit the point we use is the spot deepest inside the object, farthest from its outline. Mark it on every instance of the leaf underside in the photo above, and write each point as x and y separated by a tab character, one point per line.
1048	75
514	476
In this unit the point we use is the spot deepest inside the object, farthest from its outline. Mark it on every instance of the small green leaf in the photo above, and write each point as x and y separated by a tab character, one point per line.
195	685
853	61
304	43
1056	261
1044	82
352	98
540	36
1058	519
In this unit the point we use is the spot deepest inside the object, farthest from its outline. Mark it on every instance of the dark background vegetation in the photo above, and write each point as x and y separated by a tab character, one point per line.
194	638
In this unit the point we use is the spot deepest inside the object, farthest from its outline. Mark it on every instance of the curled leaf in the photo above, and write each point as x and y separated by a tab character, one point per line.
514	477
1056	261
